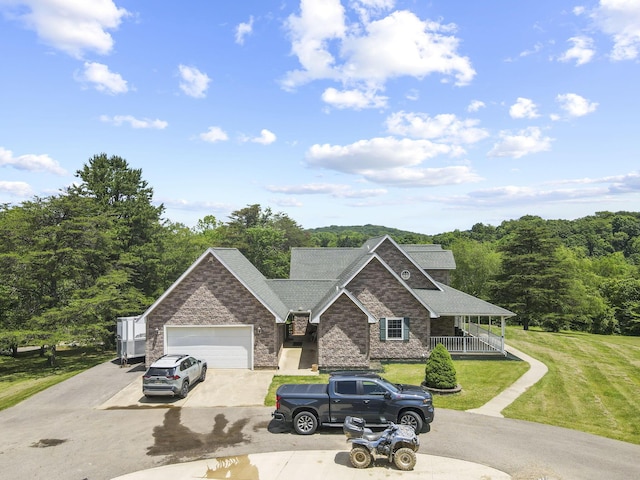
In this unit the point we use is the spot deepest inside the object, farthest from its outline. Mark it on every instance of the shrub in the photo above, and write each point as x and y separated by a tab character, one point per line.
440	372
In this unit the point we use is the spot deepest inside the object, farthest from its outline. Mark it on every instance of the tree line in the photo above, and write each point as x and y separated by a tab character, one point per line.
72	262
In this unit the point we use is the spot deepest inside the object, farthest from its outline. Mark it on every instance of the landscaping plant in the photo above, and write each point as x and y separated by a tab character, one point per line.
440	372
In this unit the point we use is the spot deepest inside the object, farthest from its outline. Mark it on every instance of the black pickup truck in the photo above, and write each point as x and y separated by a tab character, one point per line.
355	394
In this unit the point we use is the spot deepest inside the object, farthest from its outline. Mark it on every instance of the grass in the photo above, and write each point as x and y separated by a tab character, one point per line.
593	383
481	380
28	373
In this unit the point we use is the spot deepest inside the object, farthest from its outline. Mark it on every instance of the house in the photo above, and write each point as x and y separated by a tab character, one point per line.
381	301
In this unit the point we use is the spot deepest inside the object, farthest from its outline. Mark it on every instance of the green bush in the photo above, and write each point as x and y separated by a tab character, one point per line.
440	372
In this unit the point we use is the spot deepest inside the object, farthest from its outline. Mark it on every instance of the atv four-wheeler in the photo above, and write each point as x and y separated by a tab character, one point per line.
397	442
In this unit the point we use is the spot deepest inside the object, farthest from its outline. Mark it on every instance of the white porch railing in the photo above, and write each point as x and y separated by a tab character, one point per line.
477	341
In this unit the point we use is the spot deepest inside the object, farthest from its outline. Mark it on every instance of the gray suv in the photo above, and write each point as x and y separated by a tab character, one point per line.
172	375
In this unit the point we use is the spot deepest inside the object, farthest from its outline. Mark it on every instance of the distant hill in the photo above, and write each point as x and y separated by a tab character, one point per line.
372	231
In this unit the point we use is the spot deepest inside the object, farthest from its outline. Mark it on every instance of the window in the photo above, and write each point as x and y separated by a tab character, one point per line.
372	388
394	329
346	387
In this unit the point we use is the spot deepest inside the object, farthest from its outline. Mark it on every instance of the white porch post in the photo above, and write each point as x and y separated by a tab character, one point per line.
502	324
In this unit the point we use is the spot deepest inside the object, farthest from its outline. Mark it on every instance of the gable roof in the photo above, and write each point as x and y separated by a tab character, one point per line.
319	276
244	271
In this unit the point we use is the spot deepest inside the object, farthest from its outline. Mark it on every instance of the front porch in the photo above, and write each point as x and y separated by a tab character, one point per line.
474	337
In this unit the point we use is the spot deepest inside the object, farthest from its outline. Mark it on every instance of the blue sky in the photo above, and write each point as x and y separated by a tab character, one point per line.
427	116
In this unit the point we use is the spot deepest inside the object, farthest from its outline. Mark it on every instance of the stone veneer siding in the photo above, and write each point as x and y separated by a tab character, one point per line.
442	276
399	262
383	296
343	336
443	327
211	295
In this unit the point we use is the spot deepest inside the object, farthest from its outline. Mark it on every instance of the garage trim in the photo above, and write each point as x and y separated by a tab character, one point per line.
213	345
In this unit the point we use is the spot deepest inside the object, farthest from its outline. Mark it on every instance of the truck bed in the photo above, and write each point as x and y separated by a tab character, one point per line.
309	390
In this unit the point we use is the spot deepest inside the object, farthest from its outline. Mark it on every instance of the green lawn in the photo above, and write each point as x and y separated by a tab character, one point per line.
593	383
28	373
481	380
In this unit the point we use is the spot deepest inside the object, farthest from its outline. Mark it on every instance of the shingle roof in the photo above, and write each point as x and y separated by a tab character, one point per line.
451	302
431	257
248	274
321	263
318	276
301	295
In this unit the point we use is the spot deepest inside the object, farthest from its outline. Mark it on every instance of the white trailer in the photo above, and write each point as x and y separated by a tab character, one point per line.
131	337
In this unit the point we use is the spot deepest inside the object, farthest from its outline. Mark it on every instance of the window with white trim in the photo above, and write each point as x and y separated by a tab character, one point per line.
394	329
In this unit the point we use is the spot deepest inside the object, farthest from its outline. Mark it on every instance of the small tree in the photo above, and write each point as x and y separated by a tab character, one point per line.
440	372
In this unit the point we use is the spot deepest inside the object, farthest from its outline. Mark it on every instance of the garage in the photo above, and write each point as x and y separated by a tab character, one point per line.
221	346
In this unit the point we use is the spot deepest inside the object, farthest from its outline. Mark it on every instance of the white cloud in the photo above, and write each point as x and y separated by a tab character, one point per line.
333	190
620	19
423	177
244	29
391	161
214	134
193	82
523	108
524	143
582	51
16	189
445	127
364	54
119	120
72	26
355	99
30	162
375	154
606	188
575	105
266	138
475	105
103	80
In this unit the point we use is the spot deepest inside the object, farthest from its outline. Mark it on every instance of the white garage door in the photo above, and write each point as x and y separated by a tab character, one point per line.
221	347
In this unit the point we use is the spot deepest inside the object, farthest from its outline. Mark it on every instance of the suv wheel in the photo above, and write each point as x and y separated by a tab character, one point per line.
184	390
203	374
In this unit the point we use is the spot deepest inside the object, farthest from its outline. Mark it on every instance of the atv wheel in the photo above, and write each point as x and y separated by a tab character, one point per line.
405	459
360	457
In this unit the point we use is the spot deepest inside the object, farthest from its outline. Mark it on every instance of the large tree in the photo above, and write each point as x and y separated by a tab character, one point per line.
532	282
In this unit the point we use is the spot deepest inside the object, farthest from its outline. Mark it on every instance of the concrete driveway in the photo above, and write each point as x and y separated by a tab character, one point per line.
222	388
62	434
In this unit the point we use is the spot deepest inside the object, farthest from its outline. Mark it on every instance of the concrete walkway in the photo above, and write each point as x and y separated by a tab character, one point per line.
495	406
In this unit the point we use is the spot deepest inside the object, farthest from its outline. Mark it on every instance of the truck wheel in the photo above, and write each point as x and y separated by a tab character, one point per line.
404	459
412	419
305	423
203	374
360	456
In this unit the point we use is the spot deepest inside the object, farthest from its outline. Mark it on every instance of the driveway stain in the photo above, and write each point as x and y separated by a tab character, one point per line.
239	467
48	442
175	439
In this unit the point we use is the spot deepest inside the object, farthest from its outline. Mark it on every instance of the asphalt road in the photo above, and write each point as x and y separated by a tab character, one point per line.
60	434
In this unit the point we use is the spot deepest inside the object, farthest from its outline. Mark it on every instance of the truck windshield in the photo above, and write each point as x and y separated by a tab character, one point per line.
390	386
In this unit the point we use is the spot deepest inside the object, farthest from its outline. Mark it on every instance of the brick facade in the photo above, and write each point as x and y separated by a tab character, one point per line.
211	295
343	336
384	296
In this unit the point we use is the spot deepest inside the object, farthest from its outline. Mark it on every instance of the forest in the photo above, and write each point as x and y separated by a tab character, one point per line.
73	262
